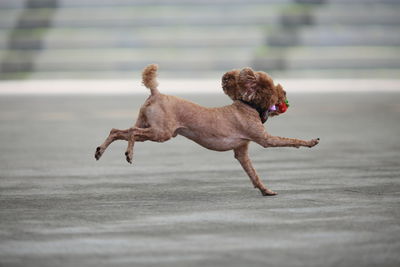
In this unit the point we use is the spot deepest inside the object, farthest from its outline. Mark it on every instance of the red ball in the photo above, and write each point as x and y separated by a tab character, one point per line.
282	107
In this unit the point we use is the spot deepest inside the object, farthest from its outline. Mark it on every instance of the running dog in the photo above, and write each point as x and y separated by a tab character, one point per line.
231	127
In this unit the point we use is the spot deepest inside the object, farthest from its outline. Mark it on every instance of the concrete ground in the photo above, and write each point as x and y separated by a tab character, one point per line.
182	205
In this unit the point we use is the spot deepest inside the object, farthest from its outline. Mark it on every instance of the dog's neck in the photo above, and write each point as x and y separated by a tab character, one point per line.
263	113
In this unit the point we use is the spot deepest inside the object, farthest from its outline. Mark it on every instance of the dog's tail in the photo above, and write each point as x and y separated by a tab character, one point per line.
149	78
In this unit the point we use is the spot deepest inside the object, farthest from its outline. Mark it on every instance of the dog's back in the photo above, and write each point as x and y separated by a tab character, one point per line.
214	128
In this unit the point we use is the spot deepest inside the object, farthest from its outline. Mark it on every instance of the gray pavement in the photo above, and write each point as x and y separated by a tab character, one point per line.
182	205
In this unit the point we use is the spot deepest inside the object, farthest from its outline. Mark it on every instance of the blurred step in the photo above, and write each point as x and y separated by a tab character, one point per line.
9	18
336	58
345	73
85	3
363	2
316	58
150	37
349	36
357	14
118	37
333	35
112	74
128	59
12	4
377	73
146	16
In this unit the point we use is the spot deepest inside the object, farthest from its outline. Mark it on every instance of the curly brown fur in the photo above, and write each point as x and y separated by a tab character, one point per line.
231	127
253	87
230	84
149	76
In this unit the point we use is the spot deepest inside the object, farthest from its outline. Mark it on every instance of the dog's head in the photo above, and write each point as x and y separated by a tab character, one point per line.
256	88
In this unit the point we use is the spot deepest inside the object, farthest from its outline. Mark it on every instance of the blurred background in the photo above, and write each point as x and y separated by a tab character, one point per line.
102	39
180	204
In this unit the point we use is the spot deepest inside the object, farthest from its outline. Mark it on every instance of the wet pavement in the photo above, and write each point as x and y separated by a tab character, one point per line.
182	205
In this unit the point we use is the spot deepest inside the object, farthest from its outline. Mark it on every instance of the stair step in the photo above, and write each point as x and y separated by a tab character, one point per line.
356	14
110	3
9	18
186	37
349	36
116	38
299	58
128	59
146	16
317	58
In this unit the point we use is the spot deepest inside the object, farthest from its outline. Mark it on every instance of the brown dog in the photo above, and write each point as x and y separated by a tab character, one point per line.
224	128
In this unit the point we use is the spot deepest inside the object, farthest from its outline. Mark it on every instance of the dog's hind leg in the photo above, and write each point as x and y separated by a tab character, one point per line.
144	131
114	135
140	123
129	149
242	155
136	134
131	135
145	134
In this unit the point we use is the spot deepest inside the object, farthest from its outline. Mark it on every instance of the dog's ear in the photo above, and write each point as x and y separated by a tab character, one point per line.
280	90
281	93
267	94
248	83
230	85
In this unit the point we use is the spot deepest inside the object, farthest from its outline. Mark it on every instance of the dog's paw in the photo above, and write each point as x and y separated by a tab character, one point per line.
268	192
313	142
99	152
129	156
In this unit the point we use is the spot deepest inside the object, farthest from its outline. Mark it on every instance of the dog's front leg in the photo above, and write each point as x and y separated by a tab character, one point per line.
242	155
276	141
